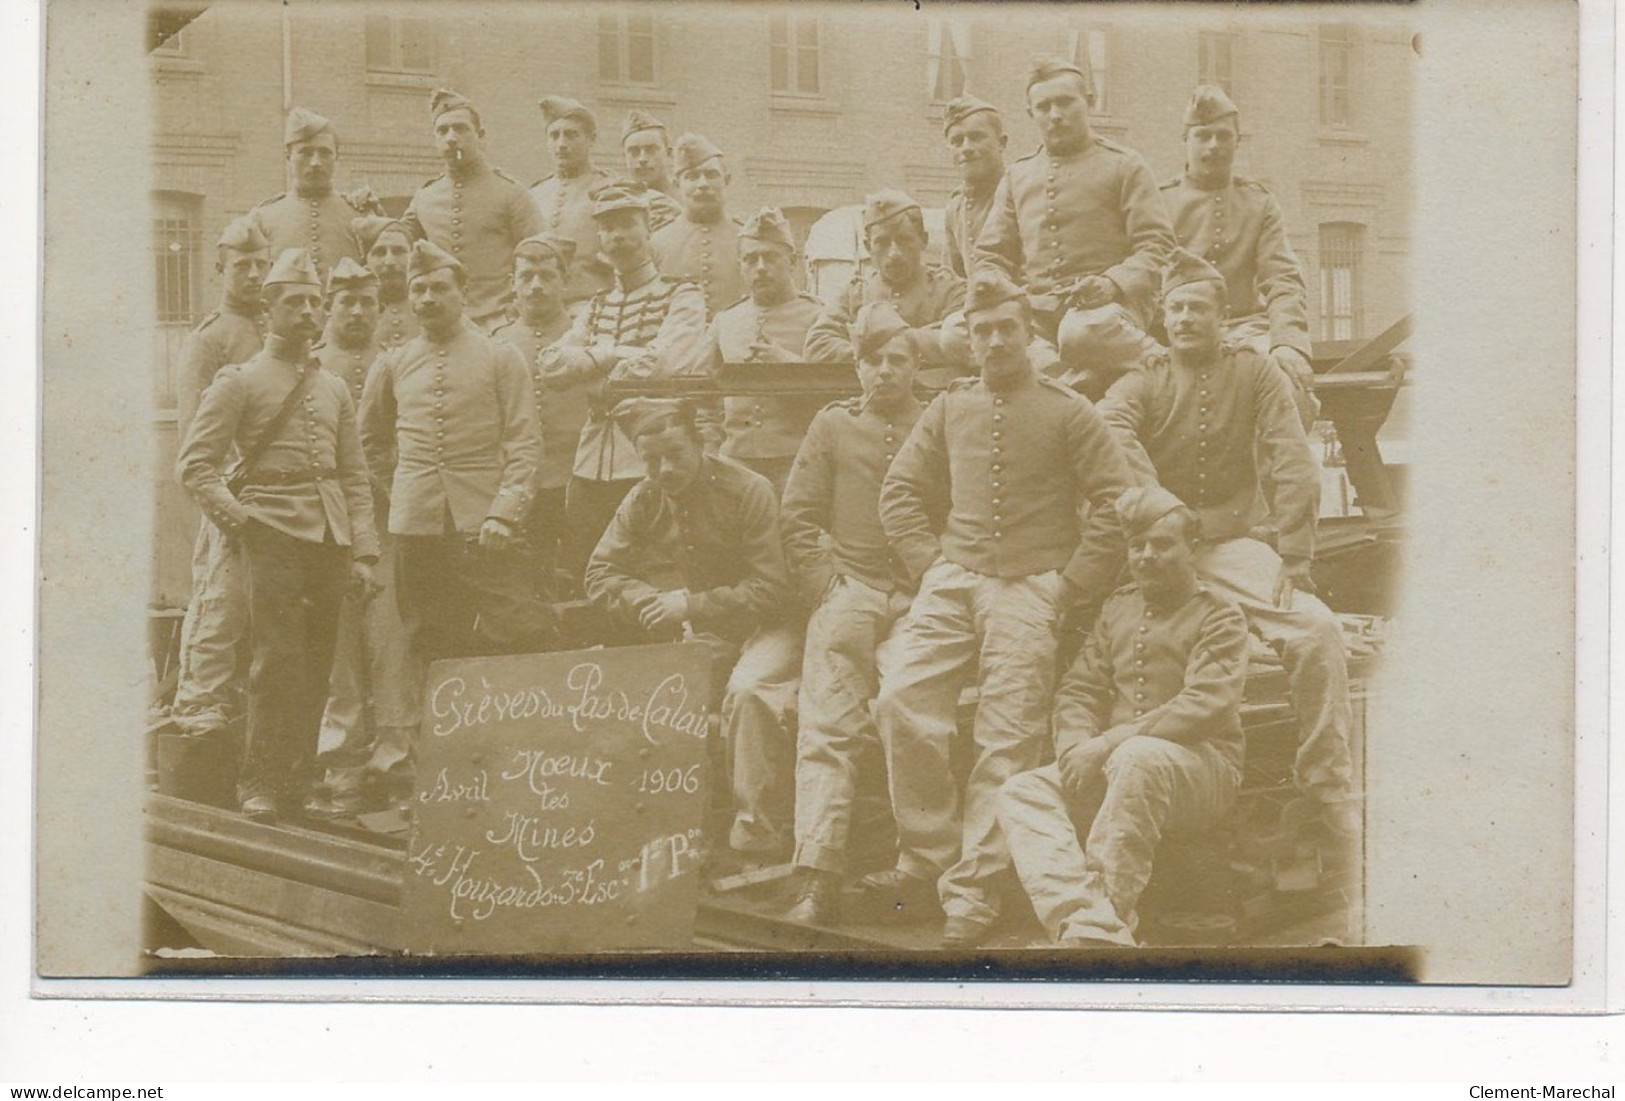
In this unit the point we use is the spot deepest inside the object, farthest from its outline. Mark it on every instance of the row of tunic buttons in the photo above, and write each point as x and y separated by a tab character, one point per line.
1201	444
439	407
1052	223
998	451
456	215
316	230
1139	668
1218	225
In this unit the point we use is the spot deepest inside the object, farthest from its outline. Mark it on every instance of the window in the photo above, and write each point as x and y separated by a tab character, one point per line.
1214	55
1088	50
793	50
177	250
399	45
626	48
1341	248
948	53
1336	75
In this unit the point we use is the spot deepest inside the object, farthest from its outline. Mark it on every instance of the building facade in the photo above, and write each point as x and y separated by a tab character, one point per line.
813	104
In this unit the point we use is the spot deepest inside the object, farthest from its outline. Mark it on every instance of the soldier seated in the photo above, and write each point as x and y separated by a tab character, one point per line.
1147	736
859	589
693	552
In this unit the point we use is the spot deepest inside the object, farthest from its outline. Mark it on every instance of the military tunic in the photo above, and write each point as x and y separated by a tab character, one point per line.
1057	219
348	365
719	541
566	206
1177	675
705	254
1239	229
460	420
1012	469
658	328
478	214
396	324
320	223
1201	434
561	413
831	510
231	334
762	427
933	295
963	220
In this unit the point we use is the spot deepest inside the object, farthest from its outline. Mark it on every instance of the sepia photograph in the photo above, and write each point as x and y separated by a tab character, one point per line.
705	490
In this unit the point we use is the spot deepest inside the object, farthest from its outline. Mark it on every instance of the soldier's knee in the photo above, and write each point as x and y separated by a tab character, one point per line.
1140	759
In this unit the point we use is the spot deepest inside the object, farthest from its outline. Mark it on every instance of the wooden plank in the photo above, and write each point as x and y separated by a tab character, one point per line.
230	931
359	923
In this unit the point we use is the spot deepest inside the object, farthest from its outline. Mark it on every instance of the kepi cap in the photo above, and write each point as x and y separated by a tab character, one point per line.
1185	267
885	205
1141	506
293	267
693	150
369	227
769	224
429	257
990	287
303	125
618	196
549	245
563	107
962	108
442	100
347	275
243	235
876	323
640	416
638	119
1208	105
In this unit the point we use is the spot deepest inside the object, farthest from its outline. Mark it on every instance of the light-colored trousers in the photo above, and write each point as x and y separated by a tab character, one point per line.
1147	787
758	727
1005	627
211	684
848	638
1310	643
372	664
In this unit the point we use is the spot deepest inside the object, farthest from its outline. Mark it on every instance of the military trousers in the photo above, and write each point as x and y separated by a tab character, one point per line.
458	599
209	686
849	638
758	730
589	507
1004	630
376	686
545	534
295	588
1148	786
1310	642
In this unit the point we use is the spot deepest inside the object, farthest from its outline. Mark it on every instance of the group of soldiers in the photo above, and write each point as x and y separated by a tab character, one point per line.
410	441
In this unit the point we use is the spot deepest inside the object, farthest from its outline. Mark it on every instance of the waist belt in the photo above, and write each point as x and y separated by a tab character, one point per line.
292	477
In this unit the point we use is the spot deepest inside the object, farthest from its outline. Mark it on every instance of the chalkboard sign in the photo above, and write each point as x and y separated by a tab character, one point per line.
560	803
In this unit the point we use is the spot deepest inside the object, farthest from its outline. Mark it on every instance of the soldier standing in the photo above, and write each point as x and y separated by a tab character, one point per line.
208	685
1000	504
314	216
894	233
303	510
646	148
643	326
1215	425
974	131
386	244
565	197
367	726
1147	736
768	326
474	211
449	420
540	267
1236	225
858	589
1082	222
702	246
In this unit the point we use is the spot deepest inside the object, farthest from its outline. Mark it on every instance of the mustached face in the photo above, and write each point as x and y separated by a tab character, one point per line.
702	189
293	311
569	143
1060	108
355	314
388	259
1210	150
437	299
897	248
671	457
538	284
1193	316
457	139
767	269
998	339
312	162
1162	557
